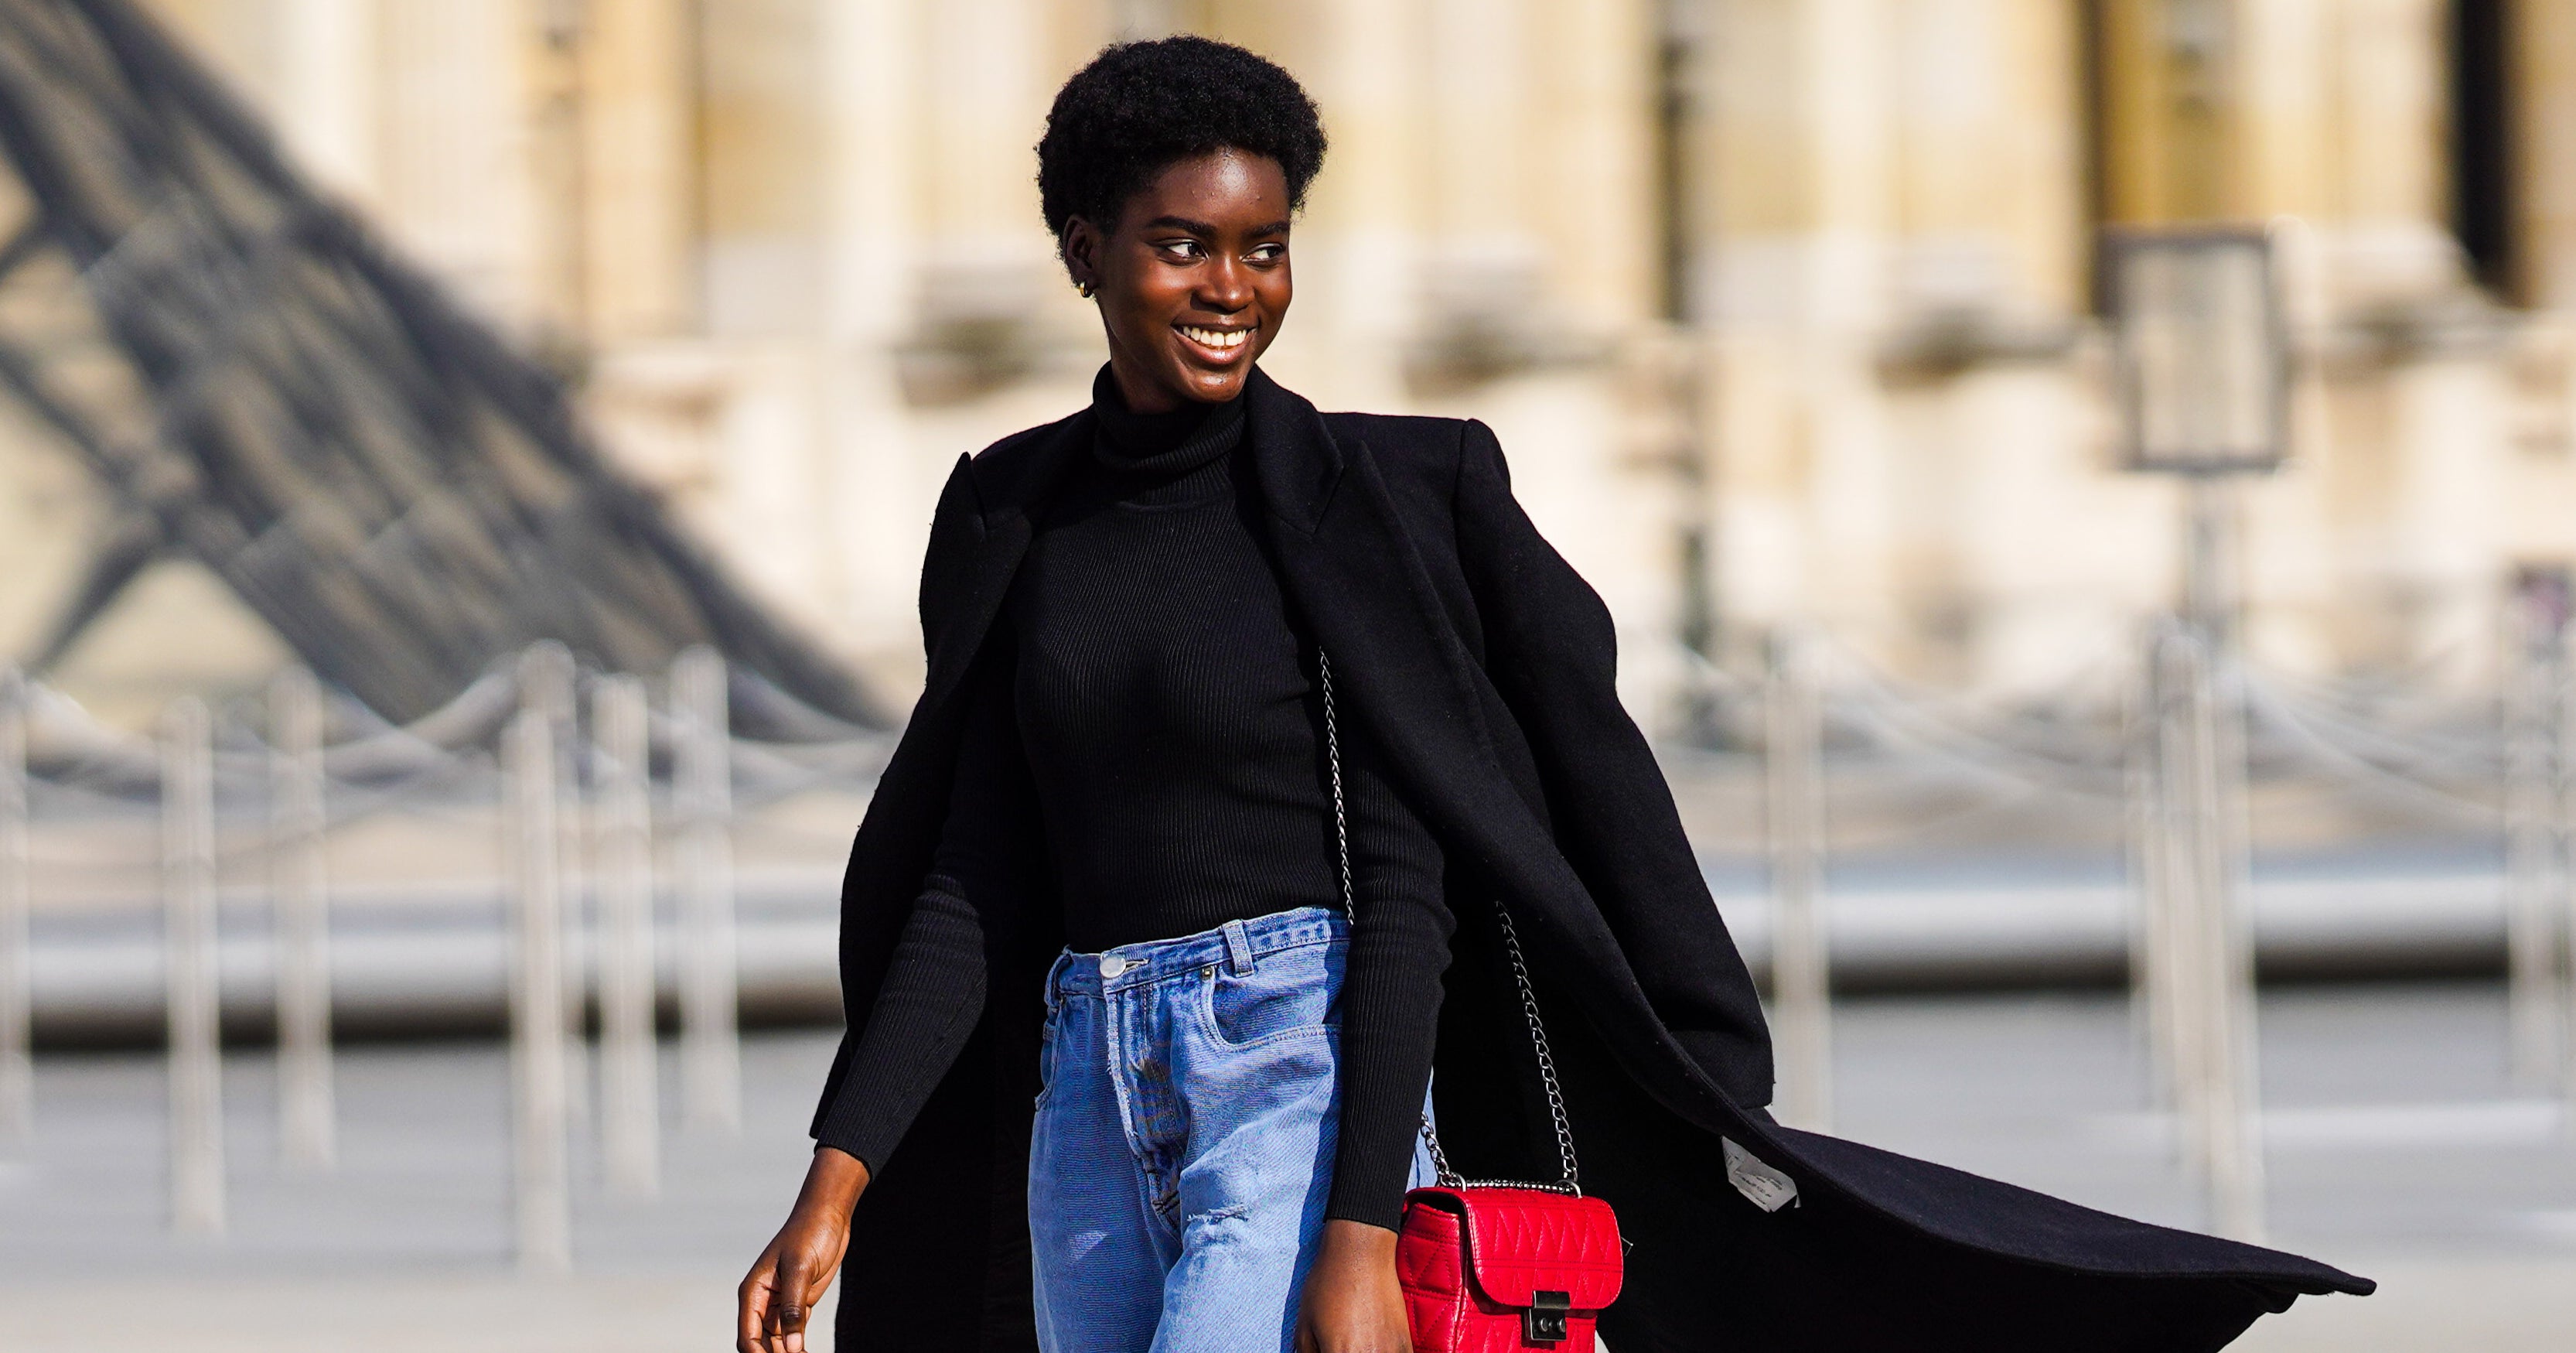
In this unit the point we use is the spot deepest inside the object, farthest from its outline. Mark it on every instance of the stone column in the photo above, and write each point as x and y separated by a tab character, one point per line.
2392	263
877	106
1987	177
1591	194
2391	241
1478	67
2170	103
2544	136
2446	506
2243	110
637	176
1359	301
457	170
2000	590
1797	299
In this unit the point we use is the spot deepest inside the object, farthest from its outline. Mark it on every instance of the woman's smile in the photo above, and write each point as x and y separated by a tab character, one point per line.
1216	345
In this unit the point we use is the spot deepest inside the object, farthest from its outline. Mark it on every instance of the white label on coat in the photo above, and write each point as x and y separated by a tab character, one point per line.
1768	1189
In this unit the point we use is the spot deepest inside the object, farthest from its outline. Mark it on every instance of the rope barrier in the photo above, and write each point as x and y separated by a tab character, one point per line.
2295	733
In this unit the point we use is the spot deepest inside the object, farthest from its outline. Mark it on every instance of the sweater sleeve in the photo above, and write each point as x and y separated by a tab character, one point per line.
935	983
1390	989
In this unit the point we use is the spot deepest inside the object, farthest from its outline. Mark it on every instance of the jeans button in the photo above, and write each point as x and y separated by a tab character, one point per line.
1112	964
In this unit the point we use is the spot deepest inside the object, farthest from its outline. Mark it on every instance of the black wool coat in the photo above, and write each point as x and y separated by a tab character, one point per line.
1483	664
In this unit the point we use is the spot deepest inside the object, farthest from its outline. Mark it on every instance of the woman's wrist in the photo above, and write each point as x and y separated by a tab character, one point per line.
833	1182
1355	1246
1352	1299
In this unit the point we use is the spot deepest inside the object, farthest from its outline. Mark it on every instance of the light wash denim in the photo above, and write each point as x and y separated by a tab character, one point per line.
1184	1137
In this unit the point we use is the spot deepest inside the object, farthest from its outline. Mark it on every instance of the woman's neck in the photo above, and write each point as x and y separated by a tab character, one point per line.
1178	440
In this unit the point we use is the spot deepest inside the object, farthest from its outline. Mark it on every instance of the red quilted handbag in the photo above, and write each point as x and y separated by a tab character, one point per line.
1487	1265
1494	1268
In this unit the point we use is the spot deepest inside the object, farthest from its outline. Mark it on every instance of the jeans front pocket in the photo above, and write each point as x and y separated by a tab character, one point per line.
1289	992
1046	1050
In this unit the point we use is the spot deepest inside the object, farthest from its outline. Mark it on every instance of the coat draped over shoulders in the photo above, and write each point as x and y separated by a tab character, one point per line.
1485	667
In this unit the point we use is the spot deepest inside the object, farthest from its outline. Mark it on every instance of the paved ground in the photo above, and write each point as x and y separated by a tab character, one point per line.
2397	1150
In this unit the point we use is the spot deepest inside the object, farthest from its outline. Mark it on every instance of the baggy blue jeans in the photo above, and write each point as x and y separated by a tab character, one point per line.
1184	1138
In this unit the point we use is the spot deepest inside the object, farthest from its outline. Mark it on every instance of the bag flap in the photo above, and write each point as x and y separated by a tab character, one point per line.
1524	1241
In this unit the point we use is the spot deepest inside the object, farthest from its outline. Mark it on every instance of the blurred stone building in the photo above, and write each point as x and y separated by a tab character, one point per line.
1782	307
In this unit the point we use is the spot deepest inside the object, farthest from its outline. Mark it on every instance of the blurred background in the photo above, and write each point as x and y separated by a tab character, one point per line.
464	467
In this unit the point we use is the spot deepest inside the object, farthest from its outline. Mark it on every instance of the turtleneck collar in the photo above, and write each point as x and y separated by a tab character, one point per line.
1161	444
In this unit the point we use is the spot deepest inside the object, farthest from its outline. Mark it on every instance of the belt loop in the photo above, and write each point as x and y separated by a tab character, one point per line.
1238	949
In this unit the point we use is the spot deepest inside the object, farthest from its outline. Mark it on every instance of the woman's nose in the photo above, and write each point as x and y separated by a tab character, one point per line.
1228	286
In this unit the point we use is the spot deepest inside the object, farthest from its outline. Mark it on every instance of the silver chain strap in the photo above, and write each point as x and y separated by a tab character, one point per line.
1333	758
1520	978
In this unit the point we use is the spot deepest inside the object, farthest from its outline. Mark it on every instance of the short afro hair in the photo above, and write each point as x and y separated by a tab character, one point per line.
1140	107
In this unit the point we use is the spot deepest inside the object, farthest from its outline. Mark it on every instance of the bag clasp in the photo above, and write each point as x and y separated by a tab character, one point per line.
1543	1320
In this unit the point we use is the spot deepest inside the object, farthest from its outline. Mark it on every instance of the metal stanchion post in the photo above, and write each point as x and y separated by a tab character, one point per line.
1801	980
2220	964
17	1000
2150	876
548	683
711	1059
191	976
2563	880
2237	1175
628	1119
2533	994
2182	982
301	901
542	1191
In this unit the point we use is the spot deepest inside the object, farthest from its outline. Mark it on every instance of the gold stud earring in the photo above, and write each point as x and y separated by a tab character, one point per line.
1082	289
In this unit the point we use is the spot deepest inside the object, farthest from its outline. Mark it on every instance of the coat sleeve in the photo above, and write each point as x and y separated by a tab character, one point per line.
935	984
1552	653
886	872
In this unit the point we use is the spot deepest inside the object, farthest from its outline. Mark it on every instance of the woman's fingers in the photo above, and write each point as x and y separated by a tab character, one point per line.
778	1297
751	1314
787	1305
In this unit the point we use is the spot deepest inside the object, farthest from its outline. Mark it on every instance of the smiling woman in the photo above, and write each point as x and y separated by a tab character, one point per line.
1168	175
1159	920
1192	277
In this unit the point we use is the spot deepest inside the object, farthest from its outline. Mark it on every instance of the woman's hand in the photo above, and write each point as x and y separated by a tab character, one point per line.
1352	1303
794	1272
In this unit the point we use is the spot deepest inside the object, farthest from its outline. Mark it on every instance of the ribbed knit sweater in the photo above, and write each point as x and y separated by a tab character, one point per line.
1151	682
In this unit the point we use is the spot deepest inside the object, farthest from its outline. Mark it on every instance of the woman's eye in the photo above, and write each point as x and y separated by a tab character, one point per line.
1270	253
1187	249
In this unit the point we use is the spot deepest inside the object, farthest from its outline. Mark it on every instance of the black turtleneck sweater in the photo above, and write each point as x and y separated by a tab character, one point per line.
1150	681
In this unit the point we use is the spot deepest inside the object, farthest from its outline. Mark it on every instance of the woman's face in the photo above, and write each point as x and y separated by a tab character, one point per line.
1192	280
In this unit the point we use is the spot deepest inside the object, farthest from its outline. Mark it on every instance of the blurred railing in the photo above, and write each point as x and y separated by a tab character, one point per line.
595	783
609	806
2179	751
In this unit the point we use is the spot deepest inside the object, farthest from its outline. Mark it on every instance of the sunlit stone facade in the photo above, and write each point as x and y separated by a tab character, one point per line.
1782	307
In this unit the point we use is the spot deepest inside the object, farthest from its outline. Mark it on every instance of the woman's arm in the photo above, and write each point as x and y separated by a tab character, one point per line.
928	1005
1390	1021
1390	987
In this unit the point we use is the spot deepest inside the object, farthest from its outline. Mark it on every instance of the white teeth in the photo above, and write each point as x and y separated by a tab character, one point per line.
1215	338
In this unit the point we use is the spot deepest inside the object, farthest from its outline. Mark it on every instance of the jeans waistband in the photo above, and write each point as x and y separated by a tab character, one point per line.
1237	944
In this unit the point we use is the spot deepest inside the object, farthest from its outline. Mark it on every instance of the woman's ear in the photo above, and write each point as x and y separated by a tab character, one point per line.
1082	254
